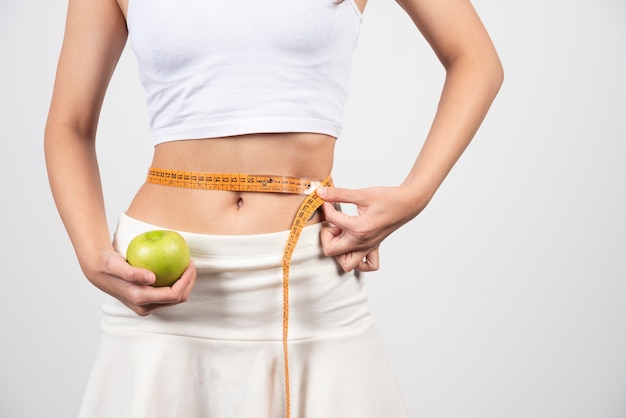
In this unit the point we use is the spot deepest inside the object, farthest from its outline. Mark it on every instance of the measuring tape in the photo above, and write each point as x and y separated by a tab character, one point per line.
266	184
231	182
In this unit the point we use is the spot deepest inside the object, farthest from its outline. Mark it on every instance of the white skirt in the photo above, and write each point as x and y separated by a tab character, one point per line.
220	354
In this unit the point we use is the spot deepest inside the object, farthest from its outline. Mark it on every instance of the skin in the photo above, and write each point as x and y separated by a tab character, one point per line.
95	37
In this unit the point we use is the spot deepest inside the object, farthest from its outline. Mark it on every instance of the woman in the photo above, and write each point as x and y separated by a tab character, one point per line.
255	89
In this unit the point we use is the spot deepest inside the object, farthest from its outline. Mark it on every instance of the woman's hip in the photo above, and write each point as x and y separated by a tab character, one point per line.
239	291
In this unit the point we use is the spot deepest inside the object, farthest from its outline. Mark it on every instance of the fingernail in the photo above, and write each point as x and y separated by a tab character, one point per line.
321	191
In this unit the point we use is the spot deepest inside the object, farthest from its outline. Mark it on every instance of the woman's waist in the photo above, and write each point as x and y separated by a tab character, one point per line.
196	203
217	212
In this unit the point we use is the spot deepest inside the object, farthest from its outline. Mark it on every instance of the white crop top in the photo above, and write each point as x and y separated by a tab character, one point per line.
215	68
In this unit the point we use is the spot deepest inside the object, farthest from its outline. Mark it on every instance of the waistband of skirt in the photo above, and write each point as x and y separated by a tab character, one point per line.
267	244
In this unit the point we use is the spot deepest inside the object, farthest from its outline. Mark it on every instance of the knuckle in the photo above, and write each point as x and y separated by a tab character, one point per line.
134	277
177	298
136	297
108	265
143	311
327	250
139	309
360	232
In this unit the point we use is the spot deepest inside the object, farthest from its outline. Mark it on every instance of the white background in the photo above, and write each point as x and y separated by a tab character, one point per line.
506	297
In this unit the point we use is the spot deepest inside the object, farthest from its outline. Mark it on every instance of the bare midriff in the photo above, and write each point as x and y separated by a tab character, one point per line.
303	155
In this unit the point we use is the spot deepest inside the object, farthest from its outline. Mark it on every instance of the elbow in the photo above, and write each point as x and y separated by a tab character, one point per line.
493	75
65	126
63	138
497	72
490	73
54	134
492	65
483	67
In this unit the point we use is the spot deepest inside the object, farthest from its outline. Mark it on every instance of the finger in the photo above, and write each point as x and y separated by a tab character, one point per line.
180	290
331	230
144	299
351	260
344	262
371	262
331	238
149	298
328	234
143	310
174	297
336	217
185	284
339	195
118	267
336	242
337	245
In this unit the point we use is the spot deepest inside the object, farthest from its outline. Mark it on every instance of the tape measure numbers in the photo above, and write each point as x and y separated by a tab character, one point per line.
232	182
264	184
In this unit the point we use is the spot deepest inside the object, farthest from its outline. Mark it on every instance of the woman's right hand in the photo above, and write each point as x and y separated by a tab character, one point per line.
132	285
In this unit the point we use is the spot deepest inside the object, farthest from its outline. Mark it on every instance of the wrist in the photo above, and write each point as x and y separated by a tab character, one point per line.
412	200
90	257
417	193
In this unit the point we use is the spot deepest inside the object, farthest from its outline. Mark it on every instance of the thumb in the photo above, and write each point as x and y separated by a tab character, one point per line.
119	267
338	195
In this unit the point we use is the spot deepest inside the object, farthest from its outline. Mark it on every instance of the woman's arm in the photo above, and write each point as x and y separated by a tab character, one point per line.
473	77
95	36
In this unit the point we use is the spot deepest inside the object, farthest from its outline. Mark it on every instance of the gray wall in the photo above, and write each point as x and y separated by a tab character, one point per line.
506	297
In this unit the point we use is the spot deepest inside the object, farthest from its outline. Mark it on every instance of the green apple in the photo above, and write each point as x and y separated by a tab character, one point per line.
163	252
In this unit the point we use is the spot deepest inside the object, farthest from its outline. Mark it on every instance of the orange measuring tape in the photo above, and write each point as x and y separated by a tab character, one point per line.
265	184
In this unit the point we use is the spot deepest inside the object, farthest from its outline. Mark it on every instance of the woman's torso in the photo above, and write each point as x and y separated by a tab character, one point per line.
304	155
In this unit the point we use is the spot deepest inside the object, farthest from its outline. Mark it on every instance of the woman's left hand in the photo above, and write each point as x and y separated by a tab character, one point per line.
354	240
